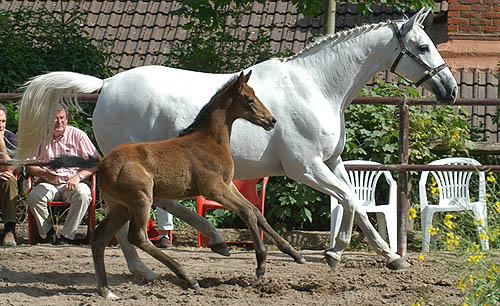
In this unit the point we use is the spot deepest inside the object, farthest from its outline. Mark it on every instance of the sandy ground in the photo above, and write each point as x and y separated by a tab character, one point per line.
49	275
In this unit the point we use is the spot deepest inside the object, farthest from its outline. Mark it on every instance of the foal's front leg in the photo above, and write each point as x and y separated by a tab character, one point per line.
230	197
281	243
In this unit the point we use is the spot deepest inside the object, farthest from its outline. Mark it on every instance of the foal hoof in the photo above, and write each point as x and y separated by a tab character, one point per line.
397	264
333	260
220	248
196	287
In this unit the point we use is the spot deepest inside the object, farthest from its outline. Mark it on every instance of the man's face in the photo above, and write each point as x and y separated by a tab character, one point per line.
3	121
60	123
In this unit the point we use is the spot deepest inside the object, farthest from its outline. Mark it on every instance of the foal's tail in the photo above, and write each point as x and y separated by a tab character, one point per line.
39	105
69	161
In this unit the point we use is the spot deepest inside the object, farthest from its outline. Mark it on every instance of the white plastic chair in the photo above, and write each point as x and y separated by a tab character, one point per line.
365	183
453	196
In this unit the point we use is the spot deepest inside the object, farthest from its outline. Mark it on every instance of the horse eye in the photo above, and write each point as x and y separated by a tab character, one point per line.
250	100
424	48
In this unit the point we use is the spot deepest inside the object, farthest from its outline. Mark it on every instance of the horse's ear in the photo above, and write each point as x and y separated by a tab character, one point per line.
247	77
241	79
416	19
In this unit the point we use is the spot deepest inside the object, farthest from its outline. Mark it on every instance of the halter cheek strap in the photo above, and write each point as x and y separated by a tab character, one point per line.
404	51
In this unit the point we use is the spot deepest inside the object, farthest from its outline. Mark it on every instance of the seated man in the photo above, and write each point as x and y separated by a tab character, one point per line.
8	181
64	184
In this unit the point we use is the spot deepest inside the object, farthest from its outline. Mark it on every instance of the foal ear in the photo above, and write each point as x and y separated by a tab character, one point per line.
247	77
241	79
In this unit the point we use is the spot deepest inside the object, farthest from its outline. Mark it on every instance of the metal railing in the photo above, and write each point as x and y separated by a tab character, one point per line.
402	167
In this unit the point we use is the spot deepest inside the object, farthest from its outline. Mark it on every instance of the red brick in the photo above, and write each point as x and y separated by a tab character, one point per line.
485	21
480	7
453	13
452	28
470	1
458	7
469	29
496	21
453	1
469	14
491	29
492	15
492	2
458	21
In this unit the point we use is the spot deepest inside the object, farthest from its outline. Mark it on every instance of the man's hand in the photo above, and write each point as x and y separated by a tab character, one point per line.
5	176
73	182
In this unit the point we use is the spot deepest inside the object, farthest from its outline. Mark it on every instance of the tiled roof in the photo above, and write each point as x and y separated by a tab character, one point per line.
144	31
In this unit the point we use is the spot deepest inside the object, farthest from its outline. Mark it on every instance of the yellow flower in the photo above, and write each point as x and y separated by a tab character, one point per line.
421	256
497	204
494	268
434	187
412	213
475	258
491	177
448	221
452	241
461	285
478	221
483	236
432	230
471	278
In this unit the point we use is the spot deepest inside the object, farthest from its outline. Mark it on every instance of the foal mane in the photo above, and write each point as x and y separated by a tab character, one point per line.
205	109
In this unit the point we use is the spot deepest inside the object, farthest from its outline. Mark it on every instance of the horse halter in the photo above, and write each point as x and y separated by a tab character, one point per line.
404	51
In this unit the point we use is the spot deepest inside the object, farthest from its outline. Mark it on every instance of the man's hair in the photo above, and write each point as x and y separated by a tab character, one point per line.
2	107
61	107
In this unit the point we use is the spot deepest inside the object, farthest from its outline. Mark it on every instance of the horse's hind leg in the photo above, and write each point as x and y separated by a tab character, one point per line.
115	219
137	235
217	243
134	263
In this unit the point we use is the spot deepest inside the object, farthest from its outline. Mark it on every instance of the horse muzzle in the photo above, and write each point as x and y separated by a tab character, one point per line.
269	124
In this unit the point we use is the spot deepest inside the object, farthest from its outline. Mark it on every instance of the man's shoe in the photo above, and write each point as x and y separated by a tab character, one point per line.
51	237
65	241
164	243
9	240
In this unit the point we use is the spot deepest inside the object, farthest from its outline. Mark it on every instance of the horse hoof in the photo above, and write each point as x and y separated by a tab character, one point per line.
145	273
196	287
108	295
260	273
220	248
301	260
397	264
333	260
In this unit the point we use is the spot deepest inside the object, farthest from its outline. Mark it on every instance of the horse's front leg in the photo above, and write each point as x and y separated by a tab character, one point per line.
230	197
217	242
281	243
352	210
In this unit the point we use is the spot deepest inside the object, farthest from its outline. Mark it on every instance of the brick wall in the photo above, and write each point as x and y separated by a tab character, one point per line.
474	17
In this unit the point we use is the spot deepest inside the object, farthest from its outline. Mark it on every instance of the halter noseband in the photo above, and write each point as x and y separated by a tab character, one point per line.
404	51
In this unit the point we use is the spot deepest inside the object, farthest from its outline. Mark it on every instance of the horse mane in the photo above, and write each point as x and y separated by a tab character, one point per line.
337	36
205	109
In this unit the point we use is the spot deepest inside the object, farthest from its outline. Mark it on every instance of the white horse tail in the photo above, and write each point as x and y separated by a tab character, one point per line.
41	97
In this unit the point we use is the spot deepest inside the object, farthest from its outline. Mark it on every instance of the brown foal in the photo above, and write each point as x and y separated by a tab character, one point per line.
198	162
